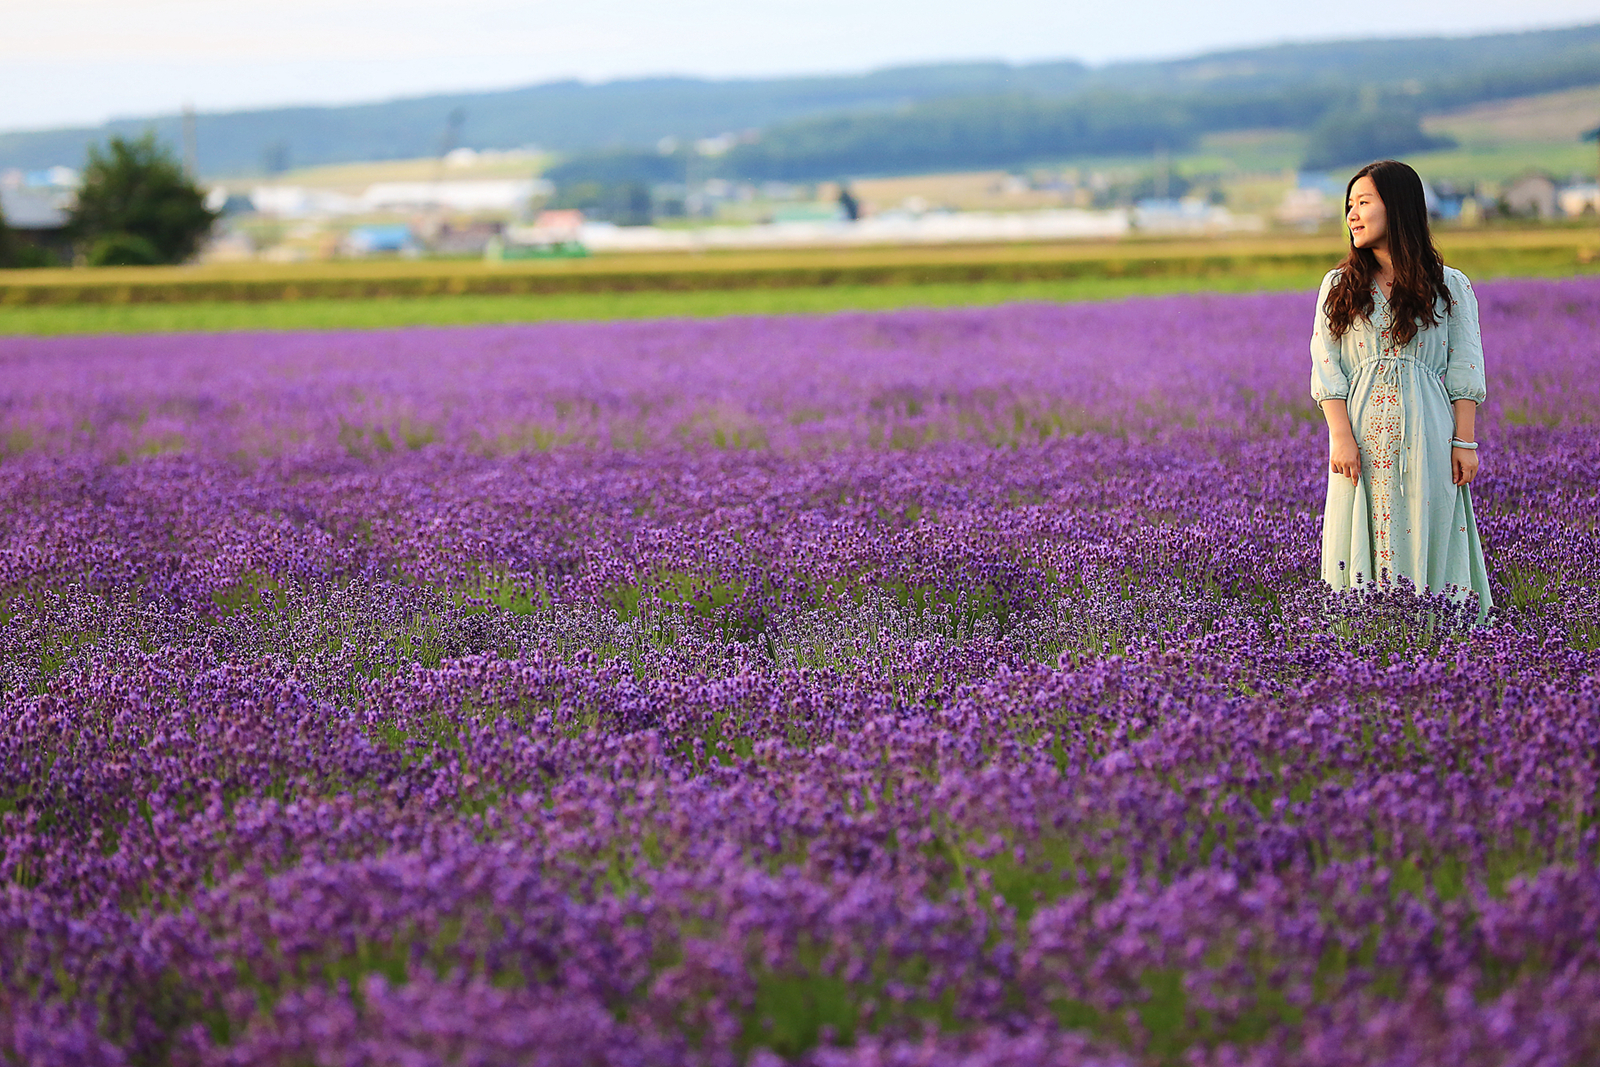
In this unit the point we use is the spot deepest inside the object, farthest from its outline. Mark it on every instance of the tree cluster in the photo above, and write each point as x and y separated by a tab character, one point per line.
626	203
137	207
1352	139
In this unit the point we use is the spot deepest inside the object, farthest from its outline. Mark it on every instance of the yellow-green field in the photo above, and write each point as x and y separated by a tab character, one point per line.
403	293
1505	138
788	268
357	313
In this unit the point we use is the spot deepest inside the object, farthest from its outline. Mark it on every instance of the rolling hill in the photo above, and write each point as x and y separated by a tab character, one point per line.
897	120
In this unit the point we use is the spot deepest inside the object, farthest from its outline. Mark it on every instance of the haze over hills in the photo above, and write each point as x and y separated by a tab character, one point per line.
893	120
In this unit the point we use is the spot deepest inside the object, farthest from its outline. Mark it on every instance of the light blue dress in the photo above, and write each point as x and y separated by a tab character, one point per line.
1405	519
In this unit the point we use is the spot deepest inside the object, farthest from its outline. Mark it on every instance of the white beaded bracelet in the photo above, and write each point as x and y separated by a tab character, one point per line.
1456	442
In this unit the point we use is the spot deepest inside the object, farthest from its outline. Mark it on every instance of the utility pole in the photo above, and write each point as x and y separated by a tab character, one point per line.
191	150
451	139
1594	135
447	144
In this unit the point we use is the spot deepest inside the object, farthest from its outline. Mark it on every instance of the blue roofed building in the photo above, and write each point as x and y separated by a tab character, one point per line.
379	238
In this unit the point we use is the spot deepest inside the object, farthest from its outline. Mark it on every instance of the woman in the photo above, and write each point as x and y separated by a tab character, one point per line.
1397	366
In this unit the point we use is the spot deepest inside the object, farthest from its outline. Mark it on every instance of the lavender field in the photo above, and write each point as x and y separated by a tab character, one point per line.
907	688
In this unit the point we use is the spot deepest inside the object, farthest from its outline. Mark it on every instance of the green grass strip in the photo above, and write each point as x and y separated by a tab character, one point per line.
469	310
475	310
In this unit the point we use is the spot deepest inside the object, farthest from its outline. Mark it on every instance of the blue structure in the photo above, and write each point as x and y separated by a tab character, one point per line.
381	237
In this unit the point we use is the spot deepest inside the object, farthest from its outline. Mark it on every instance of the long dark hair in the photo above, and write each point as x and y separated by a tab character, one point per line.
1418	269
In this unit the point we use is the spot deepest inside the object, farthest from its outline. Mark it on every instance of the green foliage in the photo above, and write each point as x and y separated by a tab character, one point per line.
627	202
792	1013
123	250
614	185
1013	130
1353	139
29	256
619	166
137	206
965	132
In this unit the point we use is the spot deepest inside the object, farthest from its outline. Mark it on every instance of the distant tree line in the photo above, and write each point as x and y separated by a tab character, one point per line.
1012	131
1345	123
620	166
627	203
1348	139
969	131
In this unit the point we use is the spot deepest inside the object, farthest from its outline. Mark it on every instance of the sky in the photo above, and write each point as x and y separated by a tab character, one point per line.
79	62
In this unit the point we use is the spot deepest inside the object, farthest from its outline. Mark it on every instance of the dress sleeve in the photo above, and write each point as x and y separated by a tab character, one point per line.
1463	376
1330	378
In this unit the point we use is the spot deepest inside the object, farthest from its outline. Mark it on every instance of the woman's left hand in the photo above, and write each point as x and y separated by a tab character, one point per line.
1463	465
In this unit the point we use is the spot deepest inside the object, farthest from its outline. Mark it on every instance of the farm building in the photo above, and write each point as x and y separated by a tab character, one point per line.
37	218
1533	193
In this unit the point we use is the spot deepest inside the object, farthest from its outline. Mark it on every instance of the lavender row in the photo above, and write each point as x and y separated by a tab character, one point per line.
915	729
1081	547
1013	376
208	864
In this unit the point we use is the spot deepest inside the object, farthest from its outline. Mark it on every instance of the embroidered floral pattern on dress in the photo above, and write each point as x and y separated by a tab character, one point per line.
1380	455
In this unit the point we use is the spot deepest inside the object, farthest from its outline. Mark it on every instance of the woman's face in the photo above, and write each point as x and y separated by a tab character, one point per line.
1369	222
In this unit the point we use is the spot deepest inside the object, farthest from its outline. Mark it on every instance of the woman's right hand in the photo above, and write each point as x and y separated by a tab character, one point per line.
1344	457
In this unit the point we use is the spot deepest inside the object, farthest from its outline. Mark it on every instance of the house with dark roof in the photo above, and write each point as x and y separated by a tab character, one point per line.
37	218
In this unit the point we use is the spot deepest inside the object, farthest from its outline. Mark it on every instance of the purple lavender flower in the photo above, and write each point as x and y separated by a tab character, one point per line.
877	689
